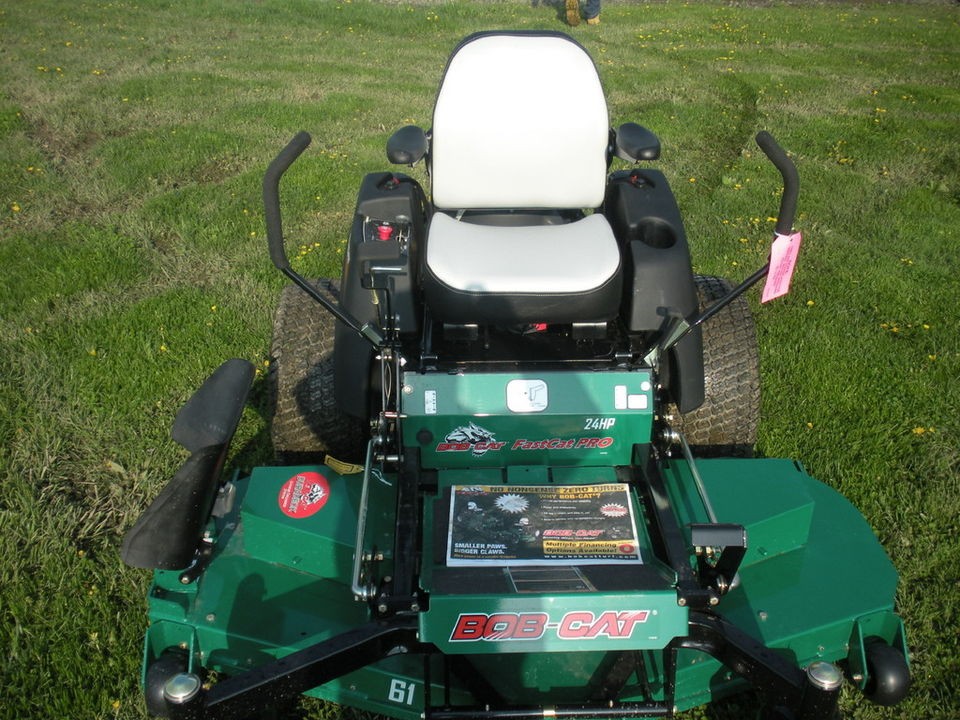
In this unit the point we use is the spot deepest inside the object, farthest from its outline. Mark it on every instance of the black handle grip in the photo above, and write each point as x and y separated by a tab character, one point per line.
791	181
271	196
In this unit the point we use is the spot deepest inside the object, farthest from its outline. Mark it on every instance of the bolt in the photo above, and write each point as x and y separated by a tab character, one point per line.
682	602
382	607
211	617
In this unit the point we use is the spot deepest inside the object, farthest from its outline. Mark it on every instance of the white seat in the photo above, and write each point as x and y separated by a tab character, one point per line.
520	123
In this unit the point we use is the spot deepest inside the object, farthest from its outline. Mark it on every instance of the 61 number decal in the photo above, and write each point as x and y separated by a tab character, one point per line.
401	691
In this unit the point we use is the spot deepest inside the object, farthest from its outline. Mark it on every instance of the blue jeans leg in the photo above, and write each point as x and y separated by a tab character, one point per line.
591	8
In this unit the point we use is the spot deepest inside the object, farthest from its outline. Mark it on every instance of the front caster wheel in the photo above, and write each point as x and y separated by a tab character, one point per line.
169	664
889	674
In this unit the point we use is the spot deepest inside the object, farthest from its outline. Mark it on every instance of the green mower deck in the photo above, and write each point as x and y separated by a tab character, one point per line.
819	584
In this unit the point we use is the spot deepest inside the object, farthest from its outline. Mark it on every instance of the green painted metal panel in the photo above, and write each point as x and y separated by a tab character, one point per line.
302	518
522	418
766	496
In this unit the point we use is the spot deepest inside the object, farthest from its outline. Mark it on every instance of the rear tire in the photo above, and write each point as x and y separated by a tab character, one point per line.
726	423
307	423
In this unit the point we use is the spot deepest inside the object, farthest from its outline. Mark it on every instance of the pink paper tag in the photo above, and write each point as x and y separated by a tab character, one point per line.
783	258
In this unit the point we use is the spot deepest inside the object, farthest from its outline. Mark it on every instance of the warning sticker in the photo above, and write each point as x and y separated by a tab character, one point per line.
304	494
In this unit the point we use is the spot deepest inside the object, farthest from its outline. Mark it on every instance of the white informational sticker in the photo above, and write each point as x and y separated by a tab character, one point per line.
527	395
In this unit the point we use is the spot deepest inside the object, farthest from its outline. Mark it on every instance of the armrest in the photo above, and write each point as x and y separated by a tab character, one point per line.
635	142
407	146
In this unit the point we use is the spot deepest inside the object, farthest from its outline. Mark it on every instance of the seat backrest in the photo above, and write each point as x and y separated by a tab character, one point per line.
520	122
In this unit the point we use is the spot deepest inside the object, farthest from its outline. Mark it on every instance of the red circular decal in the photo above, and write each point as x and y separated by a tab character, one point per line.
627	548
304	494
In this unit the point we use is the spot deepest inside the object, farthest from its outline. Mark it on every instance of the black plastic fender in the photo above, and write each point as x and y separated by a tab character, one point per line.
399	201
643	213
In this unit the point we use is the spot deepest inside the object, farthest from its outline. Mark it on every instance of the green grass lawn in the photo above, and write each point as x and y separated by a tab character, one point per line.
133	137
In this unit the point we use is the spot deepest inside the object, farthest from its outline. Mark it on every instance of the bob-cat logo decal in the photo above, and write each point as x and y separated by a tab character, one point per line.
470	437
574	625
303	495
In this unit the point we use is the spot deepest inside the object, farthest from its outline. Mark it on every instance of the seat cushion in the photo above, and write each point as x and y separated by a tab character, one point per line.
501	275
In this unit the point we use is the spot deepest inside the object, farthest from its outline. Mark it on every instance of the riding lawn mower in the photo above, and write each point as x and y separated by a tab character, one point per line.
515	471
